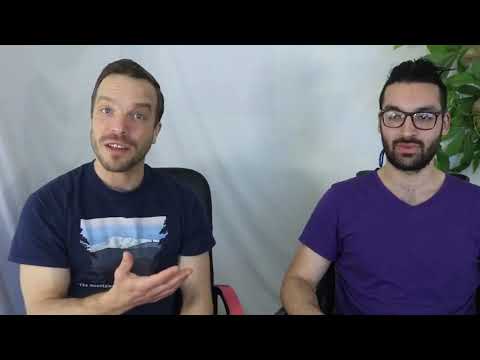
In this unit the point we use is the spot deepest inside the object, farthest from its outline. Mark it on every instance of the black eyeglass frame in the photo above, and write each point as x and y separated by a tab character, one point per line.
412	116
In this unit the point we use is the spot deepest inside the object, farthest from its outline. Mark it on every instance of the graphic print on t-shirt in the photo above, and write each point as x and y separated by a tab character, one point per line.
106	239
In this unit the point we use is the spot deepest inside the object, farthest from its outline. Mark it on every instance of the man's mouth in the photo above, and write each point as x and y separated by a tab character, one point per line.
407	148
117	147
407	145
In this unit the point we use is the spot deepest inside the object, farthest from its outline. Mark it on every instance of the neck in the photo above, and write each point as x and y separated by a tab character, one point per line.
120	181
411	180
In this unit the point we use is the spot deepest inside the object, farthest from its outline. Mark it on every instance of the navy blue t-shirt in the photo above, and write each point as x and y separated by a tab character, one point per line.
77	222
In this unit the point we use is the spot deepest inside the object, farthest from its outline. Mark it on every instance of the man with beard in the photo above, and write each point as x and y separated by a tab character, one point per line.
405	238
113	236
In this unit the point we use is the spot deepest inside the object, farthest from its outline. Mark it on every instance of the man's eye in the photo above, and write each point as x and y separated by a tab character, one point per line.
424	116
106	110
394	116
138	116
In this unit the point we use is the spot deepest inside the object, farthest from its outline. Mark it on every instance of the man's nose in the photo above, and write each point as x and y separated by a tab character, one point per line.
408	128
120	124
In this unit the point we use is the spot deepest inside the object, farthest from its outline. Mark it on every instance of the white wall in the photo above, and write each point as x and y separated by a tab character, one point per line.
271	127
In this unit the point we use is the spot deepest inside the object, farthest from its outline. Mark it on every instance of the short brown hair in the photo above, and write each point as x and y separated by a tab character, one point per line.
132	69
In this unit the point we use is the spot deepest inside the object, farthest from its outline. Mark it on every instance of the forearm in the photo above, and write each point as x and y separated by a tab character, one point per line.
98	304
299	298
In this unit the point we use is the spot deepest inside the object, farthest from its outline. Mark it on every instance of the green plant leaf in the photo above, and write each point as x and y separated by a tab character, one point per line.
452	133
459	120
460	79
467	154
475	68
468	121
464	106
453	48
443	55
469	90
474	136
475	163
441	49
460	168
456	145
468	148
461	67
443	162
436	49
444	60
452	100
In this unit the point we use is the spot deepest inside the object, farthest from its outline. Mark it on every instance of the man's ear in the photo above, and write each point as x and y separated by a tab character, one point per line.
156	131
447	122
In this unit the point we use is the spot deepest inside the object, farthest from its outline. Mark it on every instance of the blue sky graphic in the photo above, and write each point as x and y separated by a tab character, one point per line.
119	232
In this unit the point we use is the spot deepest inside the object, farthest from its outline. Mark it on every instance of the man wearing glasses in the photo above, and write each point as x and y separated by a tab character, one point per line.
405	239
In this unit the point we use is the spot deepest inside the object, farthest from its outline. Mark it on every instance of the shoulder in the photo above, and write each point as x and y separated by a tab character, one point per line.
463	187
355	184
347	193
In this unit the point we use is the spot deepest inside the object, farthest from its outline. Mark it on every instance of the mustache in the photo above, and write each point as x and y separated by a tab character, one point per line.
123	139
408	141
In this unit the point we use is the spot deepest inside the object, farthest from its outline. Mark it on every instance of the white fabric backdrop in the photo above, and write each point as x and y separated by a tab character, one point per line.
271	127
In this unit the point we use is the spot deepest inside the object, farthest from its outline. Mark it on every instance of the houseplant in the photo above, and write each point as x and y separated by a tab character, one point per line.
461	146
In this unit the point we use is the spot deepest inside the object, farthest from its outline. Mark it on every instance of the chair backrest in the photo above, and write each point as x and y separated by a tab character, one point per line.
460	176
326	286
199	185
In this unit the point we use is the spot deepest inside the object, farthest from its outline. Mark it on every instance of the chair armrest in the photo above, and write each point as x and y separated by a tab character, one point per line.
229	298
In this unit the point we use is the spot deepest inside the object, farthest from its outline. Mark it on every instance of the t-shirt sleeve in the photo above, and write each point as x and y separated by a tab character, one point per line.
197	236
320	232
476	231
39	237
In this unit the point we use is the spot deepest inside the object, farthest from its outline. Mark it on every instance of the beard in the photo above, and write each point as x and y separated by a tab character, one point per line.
124	163
415	162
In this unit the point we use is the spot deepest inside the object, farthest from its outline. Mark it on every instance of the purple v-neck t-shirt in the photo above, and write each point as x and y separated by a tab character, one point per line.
394	258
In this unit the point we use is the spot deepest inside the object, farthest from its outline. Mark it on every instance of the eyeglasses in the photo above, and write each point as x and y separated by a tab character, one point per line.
421	120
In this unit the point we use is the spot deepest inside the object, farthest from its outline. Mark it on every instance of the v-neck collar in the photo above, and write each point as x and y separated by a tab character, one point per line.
423	204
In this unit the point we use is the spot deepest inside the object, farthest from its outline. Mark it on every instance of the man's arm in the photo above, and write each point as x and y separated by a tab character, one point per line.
45	290
299	284
197	290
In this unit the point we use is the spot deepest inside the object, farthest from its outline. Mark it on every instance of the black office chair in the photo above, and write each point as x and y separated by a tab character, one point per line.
199	185
326	287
